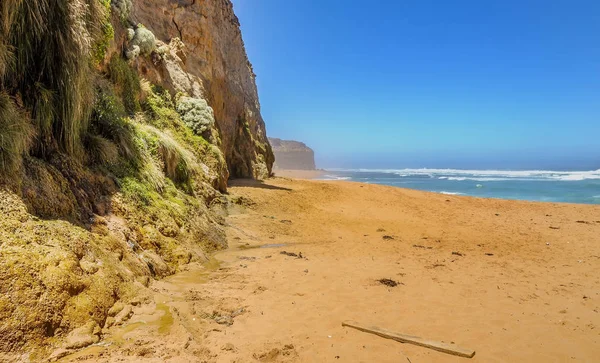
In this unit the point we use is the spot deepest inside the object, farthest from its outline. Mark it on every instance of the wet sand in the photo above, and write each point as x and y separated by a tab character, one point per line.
514	281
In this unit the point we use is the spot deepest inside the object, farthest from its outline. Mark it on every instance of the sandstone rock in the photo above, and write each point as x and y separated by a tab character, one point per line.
116	308
292	155
58	354
124	315
83	336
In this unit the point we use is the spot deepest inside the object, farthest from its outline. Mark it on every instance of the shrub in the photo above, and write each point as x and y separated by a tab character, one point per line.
16	134
108	121
179	164
123	8
196	114
6	59
107	33
51	44
101	151
145	40
127	83
159	106
101	46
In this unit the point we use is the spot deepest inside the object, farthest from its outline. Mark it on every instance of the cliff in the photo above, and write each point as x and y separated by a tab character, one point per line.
214	67
292	155
120	124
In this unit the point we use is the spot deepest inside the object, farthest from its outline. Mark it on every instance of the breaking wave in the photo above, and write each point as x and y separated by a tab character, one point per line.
334	177
487	175
451	193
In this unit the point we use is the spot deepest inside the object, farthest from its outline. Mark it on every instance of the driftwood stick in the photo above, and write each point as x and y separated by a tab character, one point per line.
431	344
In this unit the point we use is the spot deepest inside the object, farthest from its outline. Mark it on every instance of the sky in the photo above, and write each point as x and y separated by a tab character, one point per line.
420	83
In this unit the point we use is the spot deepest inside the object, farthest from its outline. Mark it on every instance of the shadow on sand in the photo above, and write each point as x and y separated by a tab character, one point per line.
251	183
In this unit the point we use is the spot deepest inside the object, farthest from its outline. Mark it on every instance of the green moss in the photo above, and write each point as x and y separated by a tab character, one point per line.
107	34
109	122
160	108
127	83
136	190
101	46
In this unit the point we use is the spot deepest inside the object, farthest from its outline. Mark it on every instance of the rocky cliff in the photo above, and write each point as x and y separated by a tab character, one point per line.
120	123
292	155
213	65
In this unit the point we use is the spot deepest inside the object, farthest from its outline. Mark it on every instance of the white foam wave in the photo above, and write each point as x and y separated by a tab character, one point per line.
488	175
451	193
335	177
462	178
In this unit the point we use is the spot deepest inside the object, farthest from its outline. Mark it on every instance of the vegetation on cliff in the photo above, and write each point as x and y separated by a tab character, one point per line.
106	180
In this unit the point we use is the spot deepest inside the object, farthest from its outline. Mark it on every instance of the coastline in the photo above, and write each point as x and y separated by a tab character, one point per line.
513	280
579	187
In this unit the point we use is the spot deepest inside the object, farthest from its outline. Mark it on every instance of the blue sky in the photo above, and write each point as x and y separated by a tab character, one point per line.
502	84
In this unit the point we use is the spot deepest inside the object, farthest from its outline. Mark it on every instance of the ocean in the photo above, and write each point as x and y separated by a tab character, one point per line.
533	185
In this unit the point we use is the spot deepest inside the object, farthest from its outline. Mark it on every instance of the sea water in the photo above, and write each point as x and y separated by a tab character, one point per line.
534	185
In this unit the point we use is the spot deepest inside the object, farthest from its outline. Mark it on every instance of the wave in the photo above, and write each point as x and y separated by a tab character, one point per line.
451	193
334	177
487	175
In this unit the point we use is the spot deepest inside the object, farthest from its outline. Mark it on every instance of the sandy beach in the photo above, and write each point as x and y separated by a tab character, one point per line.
299	174
514	281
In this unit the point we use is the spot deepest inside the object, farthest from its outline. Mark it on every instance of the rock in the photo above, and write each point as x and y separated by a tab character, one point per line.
58	354
83	336
292	155
110	321
116	308
124	315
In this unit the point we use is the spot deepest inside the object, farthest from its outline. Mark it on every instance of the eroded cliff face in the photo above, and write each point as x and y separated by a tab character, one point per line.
211	63
112	163
292	155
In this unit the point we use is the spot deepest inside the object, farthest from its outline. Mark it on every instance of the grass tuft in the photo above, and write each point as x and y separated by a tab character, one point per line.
178	163
127	83
16	135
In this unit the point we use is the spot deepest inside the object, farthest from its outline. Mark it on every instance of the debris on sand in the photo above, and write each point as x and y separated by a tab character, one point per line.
458	253
421	246
436	265
489	254
285	221
389	282
380	230
292	254
551	227
387	238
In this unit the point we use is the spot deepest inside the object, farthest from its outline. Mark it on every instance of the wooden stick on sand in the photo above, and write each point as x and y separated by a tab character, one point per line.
439	346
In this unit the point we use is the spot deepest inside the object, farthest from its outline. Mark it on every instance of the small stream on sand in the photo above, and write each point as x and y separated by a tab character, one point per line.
176	311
